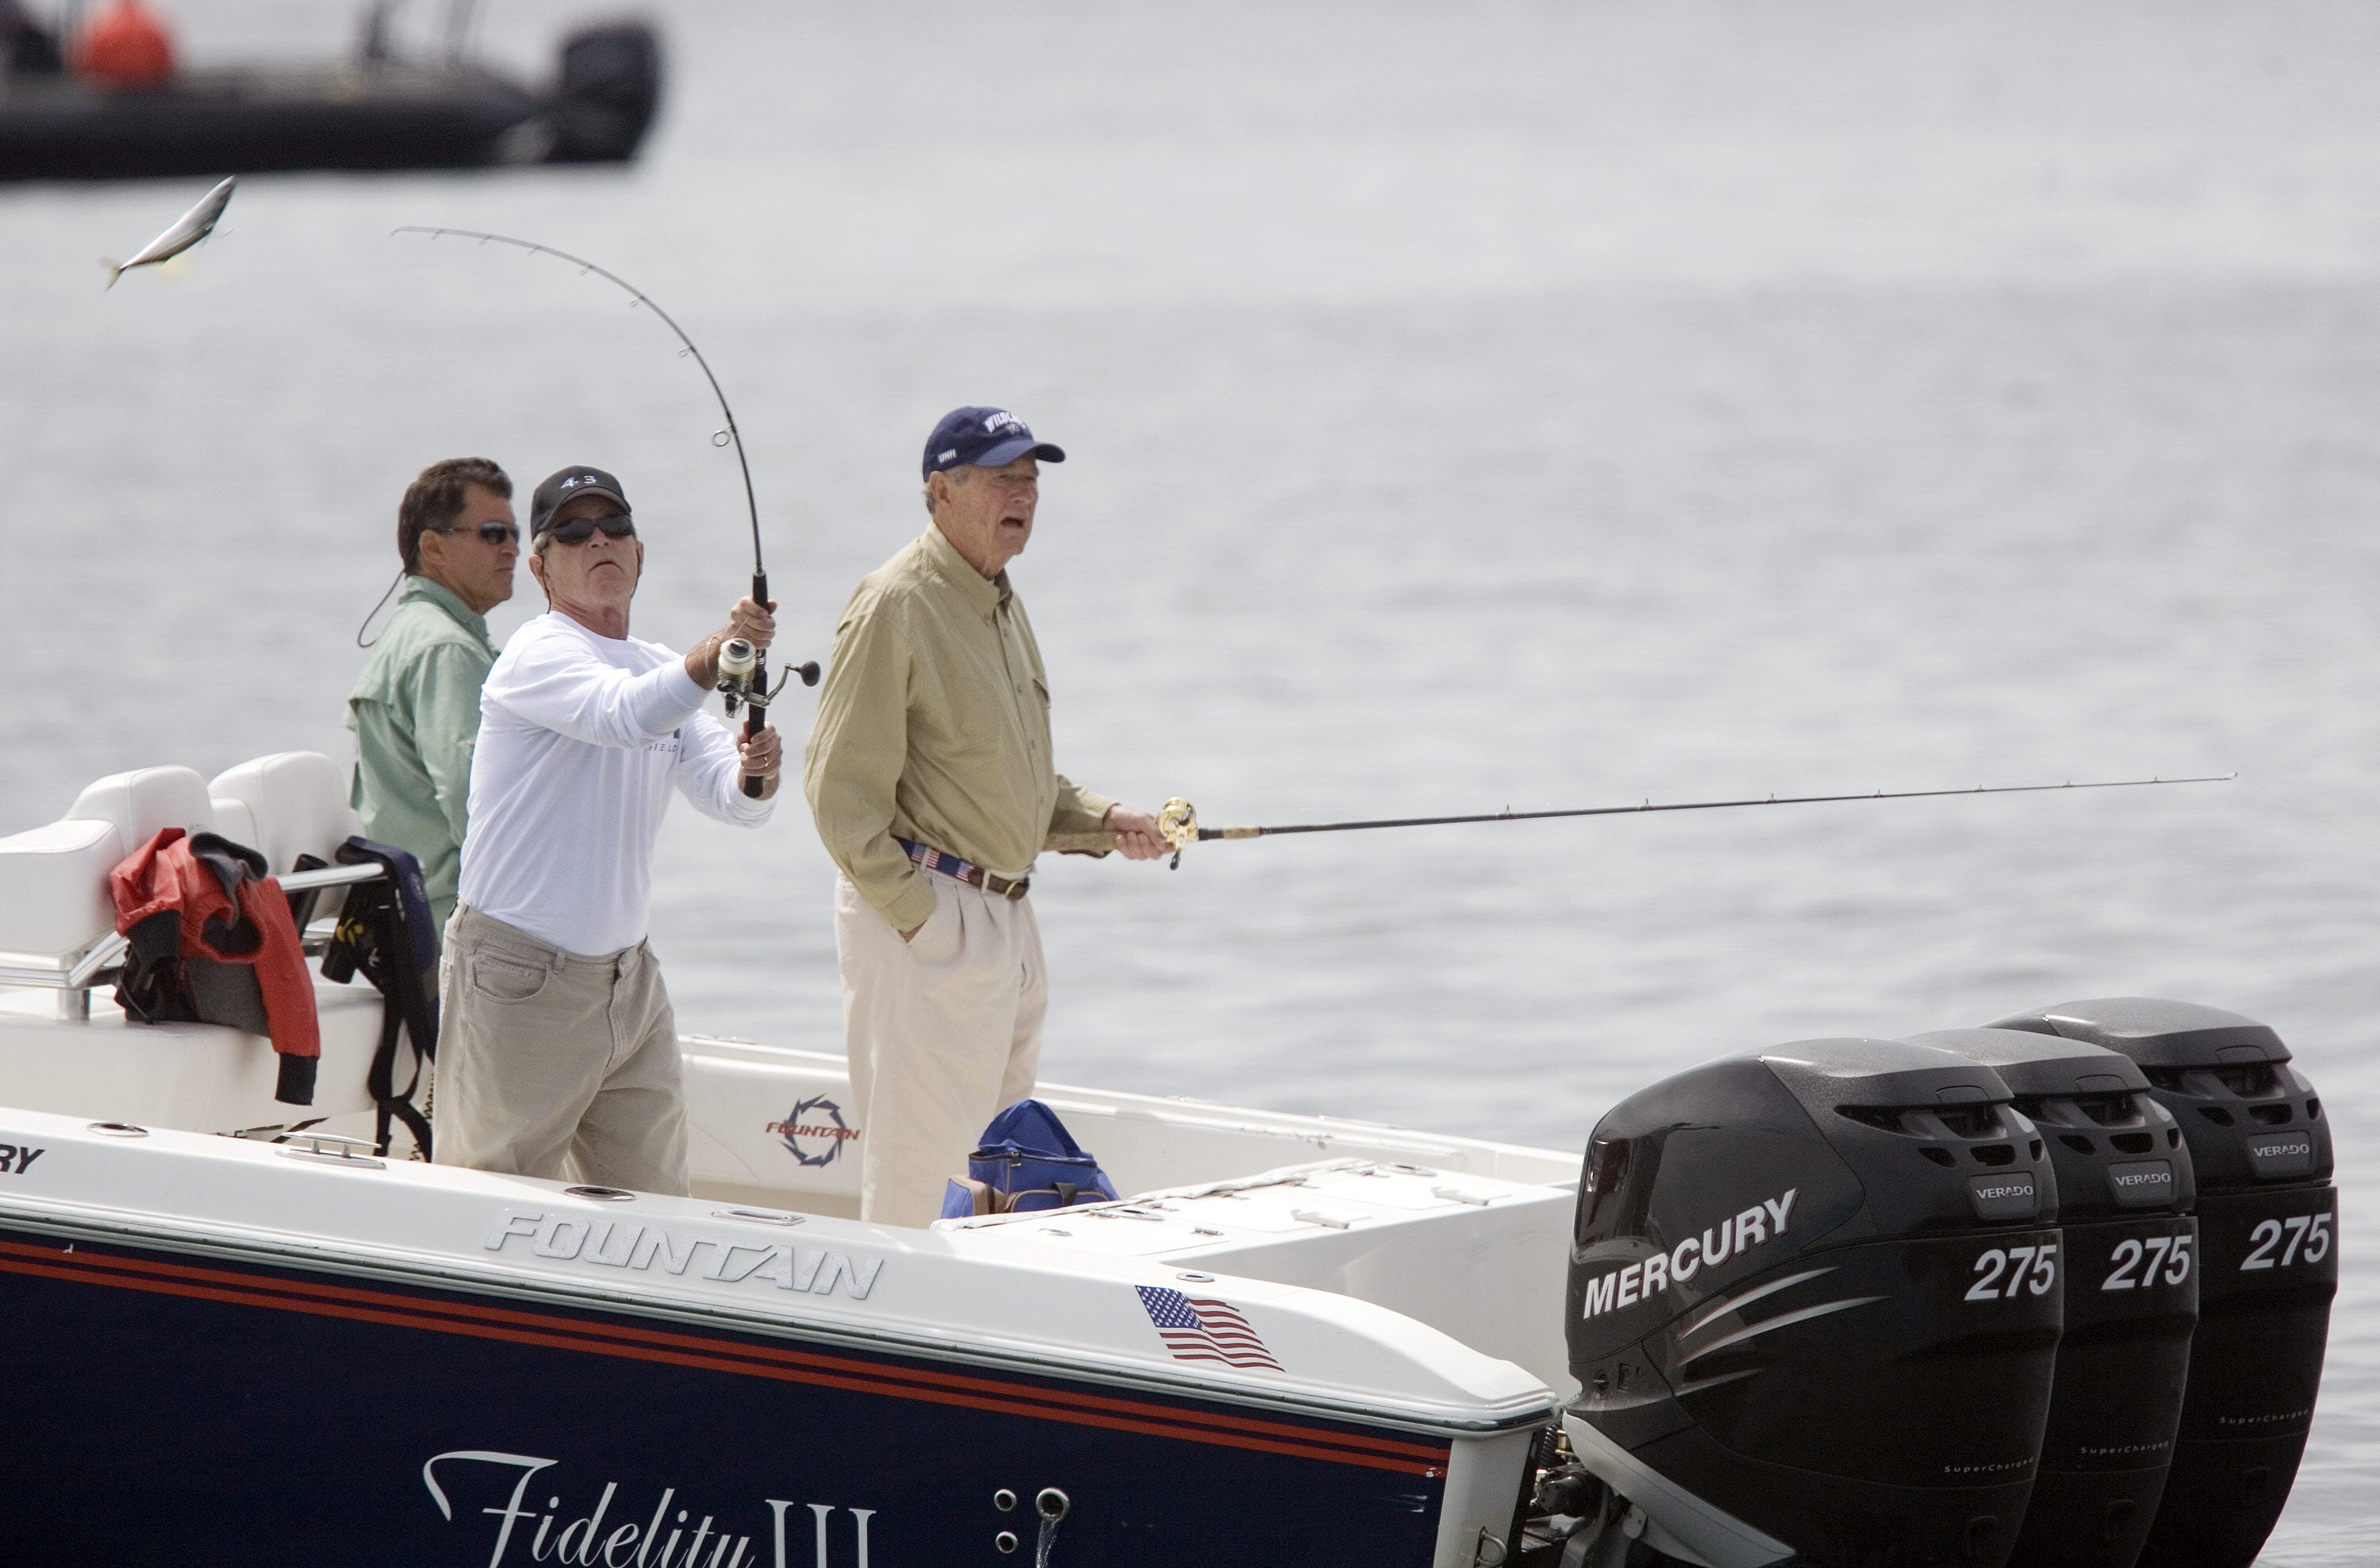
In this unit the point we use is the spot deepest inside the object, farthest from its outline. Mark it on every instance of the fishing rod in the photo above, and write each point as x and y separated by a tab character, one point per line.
1178	822
743	668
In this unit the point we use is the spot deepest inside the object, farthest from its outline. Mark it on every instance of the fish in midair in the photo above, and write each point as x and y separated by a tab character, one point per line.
188	230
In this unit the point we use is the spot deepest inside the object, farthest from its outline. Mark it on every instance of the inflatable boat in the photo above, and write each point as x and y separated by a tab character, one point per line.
2052	1292
374	113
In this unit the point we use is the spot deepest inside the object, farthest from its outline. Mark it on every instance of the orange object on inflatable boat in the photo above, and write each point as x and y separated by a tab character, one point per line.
125	44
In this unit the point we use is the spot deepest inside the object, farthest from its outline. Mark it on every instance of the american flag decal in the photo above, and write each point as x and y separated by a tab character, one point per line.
1201	1329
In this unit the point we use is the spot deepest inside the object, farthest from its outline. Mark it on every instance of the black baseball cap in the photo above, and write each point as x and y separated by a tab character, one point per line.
983	438
569	484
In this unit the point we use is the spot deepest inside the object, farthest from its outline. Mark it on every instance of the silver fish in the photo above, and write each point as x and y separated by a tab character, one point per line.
188	230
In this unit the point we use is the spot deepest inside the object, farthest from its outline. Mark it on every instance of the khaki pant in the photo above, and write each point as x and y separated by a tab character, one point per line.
552	1064
943	1031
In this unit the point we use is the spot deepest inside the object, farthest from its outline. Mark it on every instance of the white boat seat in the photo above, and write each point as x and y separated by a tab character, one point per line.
295	803
54	898
144	800
234	820
55	904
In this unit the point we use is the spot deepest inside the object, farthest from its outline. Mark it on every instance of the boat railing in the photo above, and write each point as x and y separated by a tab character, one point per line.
97	962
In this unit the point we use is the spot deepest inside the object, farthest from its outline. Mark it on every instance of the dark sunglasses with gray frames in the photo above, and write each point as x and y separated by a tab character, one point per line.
491	534
578	530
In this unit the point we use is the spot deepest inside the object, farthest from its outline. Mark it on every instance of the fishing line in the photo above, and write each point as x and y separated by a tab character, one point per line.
730	436
748	686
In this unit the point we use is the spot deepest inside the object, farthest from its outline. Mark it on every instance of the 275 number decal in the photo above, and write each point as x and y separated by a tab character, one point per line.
2004	1271
2307	1237
2171	1253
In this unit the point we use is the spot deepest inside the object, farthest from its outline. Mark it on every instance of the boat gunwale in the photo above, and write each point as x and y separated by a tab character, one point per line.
401	1265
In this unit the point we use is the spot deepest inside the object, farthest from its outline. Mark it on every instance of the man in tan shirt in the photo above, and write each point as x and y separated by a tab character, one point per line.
930	776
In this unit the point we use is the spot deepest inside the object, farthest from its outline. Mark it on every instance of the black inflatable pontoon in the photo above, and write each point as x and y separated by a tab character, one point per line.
373	114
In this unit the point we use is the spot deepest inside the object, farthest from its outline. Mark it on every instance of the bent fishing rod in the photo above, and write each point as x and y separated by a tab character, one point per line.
1178	822
743	668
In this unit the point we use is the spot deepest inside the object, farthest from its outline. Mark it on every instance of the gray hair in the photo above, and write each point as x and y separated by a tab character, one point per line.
956	475
540	549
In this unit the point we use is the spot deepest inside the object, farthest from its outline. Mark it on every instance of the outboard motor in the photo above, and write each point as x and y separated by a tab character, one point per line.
609	88
2268	1262
2124	1192
1814	1309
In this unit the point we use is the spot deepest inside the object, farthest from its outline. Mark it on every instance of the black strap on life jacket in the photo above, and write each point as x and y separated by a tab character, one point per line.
159	983
149	987
380	936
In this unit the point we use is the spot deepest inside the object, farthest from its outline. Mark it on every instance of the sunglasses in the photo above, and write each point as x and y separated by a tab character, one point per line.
491	534
578	530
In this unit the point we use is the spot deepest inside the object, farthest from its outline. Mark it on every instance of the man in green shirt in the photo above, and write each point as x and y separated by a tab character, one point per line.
929	774
416	708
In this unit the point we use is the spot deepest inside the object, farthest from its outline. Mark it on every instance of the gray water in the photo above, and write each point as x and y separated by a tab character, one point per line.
1469	406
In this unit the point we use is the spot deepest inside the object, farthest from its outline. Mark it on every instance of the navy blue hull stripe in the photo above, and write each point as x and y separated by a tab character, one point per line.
782	1364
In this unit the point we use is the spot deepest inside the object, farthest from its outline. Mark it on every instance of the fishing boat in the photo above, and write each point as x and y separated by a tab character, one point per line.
378	111
1841	1302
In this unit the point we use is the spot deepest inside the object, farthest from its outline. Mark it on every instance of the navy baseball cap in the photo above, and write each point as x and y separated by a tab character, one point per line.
569	484
984	438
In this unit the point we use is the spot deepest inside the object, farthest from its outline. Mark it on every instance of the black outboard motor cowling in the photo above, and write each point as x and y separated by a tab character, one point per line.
2268	1218
2124	1191
1814	1308
609	89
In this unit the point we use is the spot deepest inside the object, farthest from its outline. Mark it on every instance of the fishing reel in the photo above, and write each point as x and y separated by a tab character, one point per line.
739	676
1177	823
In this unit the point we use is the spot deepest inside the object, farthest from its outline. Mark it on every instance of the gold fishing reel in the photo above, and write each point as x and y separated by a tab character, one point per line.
1177	823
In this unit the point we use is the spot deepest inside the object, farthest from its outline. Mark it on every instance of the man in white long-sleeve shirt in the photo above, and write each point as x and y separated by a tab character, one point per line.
557	1042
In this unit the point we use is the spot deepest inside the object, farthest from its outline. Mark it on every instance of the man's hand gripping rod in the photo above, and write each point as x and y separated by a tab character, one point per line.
745	681
1178	822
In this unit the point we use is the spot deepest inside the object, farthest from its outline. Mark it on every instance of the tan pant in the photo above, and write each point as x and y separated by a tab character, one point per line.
943	1031
552	1064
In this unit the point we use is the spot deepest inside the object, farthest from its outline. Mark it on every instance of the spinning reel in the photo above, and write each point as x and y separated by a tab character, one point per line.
743	683
740	664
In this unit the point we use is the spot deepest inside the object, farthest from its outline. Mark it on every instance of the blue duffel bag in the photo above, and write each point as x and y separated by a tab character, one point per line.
1027	1161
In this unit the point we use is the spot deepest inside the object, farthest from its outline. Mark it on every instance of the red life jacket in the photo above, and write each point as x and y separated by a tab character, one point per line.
164	882
125	44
